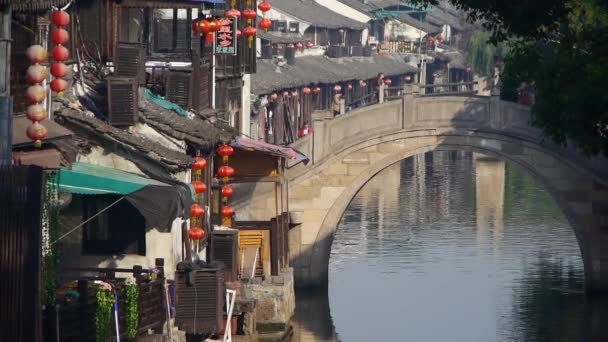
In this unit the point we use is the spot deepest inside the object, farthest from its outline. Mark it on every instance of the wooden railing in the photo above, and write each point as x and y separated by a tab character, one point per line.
406	47
75	321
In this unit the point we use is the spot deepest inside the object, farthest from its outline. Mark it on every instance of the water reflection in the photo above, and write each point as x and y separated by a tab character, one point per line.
450	246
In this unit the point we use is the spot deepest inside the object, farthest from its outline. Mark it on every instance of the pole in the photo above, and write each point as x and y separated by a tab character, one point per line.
6	104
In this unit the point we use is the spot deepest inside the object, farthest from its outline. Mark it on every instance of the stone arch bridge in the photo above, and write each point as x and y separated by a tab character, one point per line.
347	151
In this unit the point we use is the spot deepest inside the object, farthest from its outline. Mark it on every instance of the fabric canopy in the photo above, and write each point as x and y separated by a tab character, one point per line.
158	202
280	151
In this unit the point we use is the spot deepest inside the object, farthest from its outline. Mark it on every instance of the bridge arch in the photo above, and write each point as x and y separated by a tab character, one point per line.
323	192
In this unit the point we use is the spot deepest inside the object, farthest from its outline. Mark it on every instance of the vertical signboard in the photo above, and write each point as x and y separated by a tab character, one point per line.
225	42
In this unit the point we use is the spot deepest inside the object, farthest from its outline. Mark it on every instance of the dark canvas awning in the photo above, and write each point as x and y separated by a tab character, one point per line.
279	151
158	202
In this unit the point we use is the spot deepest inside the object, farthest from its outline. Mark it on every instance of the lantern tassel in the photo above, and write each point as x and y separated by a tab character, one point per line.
225	159
250	41
225	179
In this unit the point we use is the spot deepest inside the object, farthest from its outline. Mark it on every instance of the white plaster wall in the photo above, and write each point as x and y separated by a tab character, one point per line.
101	157
344	10
246	106
395	28
149	132
315	51
274	14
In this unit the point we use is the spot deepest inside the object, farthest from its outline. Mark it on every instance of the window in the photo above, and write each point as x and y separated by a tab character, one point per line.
131	25
119	230
294	27
170	30
281	26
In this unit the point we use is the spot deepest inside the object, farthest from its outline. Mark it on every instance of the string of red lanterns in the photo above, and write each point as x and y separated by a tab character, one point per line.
264	24
225	172
197	212
60	38
36	94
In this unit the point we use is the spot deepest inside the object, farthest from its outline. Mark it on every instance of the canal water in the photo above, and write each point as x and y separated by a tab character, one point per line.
451	246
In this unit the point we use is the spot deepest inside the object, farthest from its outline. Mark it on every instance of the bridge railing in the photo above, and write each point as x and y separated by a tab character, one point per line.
450	89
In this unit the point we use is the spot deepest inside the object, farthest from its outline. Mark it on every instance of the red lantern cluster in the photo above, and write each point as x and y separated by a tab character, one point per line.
388	81
316	91
337	88
264	24
197	212
60	54
306	91
36	94
299	45
225	172
309	45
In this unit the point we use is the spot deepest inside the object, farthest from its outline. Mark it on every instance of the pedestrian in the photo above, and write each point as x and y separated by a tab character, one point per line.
336	102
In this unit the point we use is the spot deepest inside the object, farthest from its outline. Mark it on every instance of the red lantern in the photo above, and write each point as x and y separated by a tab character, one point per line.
306	91
225	172
59	85
36	113
265	24
440	39
388	81
309	45
37	54
299	45
36	74
199	164
317	90
225	152
249	32
199	187
36	132
350	86
249	15
295	94
227	192
60	36
60	19
227	212
469	69
285	93
431	40
209	37
214	25
196	234
274	96
204	26
290	46
195	27
408	78
197	211
264	6
233	13
337	88
35	94
238	33
60	53
59	70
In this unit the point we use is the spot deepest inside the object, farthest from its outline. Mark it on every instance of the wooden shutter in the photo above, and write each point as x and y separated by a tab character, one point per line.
260	239
199	305
201	84
129	61
224	248
123	106
178	88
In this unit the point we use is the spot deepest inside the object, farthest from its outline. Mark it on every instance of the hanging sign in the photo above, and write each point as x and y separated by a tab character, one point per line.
225	42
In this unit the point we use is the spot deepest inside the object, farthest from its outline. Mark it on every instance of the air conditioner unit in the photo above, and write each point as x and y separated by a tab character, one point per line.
123	103
224	248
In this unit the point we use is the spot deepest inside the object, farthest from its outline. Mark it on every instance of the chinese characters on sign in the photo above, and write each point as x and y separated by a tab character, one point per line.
225	42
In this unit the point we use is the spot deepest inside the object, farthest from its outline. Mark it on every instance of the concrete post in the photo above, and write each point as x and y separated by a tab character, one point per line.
381	93
409	105
342	106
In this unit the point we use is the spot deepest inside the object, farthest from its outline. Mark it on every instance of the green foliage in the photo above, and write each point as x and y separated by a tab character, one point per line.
132	302
51	255
103	314
482	52
560	48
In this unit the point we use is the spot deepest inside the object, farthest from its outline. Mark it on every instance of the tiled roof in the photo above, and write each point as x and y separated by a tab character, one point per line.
34	5
311	12
320	69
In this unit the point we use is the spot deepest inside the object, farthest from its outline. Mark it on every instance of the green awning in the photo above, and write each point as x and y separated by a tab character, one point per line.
89	179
